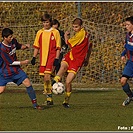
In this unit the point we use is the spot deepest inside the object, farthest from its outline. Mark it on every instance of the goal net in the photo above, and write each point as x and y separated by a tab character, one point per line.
103	20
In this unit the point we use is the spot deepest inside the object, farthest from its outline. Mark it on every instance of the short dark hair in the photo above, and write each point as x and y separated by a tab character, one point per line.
78	21
130	19
55	21
46	17
6	32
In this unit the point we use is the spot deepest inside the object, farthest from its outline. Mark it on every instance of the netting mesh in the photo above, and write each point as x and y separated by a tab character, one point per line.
103	20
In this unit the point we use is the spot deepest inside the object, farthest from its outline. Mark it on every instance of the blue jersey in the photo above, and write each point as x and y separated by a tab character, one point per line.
7	57
128	47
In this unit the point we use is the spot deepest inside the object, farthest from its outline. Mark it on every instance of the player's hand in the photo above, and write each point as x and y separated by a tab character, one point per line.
67	33
33	61
123	58
27	45
56	62
25	62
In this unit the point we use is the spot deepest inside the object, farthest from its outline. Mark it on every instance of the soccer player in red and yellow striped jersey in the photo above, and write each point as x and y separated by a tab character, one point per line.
80	49
48	44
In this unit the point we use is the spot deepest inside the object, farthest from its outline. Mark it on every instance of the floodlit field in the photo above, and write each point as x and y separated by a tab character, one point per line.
92	110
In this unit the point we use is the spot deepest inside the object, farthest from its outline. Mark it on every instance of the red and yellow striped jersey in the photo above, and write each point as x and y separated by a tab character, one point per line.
47	41
79	45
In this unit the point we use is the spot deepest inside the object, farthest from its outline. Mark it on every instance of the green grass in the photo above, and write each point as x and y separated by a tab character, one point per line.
92	110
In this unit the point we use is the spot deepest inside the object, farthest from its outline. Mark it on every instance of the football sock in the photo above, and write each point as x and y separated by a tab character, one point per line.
127	90
32	95
67	97
49	97
48	90
56	79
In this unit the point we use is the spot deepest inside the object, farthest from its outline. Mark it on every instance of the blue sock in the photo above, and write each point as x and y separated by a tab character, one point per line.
32	95
127	90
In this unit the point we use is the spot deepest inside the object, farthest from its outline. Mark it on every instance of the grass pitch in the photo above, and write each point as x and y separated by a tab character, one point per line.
90	110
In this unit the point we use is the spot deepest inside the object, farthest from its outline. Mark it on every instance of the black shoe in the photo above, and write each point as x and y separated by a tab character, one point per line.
50	103
66	105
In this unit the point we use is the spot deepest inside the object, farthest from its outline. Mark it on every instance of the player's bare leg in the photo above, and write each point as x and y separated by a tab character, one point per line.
60	73
69	80
2	88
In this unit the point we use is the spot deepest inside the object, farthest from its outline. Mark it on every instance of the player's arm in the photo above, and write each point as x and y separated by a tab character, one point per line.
25	46
123	54
66	36
57	53
58	45
76	39
16	63
36	48
19	45
56	61
58	48
4	57
33	61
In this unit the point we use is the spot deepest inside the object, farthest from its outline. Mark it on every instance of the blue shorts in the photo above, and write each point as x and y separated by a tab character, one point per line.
17	78
128	69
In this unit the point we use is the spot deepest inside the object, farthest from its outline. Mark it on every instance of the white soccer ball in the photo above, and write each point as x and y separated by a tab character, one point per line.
58	88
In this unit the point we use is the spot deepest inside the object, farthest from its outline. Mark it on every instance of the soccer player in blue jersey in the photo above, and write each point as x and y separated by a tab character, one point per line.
128	69
10	70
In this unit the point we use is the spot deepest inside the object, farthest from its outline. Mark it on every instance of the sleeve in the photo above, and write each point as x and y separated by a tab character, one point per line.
58	40
17	44
77	39
126	38
123	53
36	41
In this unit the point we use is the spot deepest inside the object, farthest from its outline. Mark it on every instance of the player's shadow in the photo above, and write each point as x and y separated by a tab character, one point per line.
92	91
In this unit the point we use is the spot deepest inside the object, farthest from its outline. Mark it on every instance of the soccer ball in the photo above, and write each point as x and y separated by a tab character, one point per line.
58	88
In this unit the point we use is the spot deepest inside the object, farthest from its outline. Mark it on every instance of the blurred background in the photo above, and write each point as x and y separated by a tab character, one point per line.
103	20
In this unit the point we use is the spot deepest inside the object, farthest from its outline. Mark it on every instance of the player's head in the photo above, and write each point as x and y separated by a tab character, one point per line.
6	32
55	23
47	21
7	35
77	24
129	24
